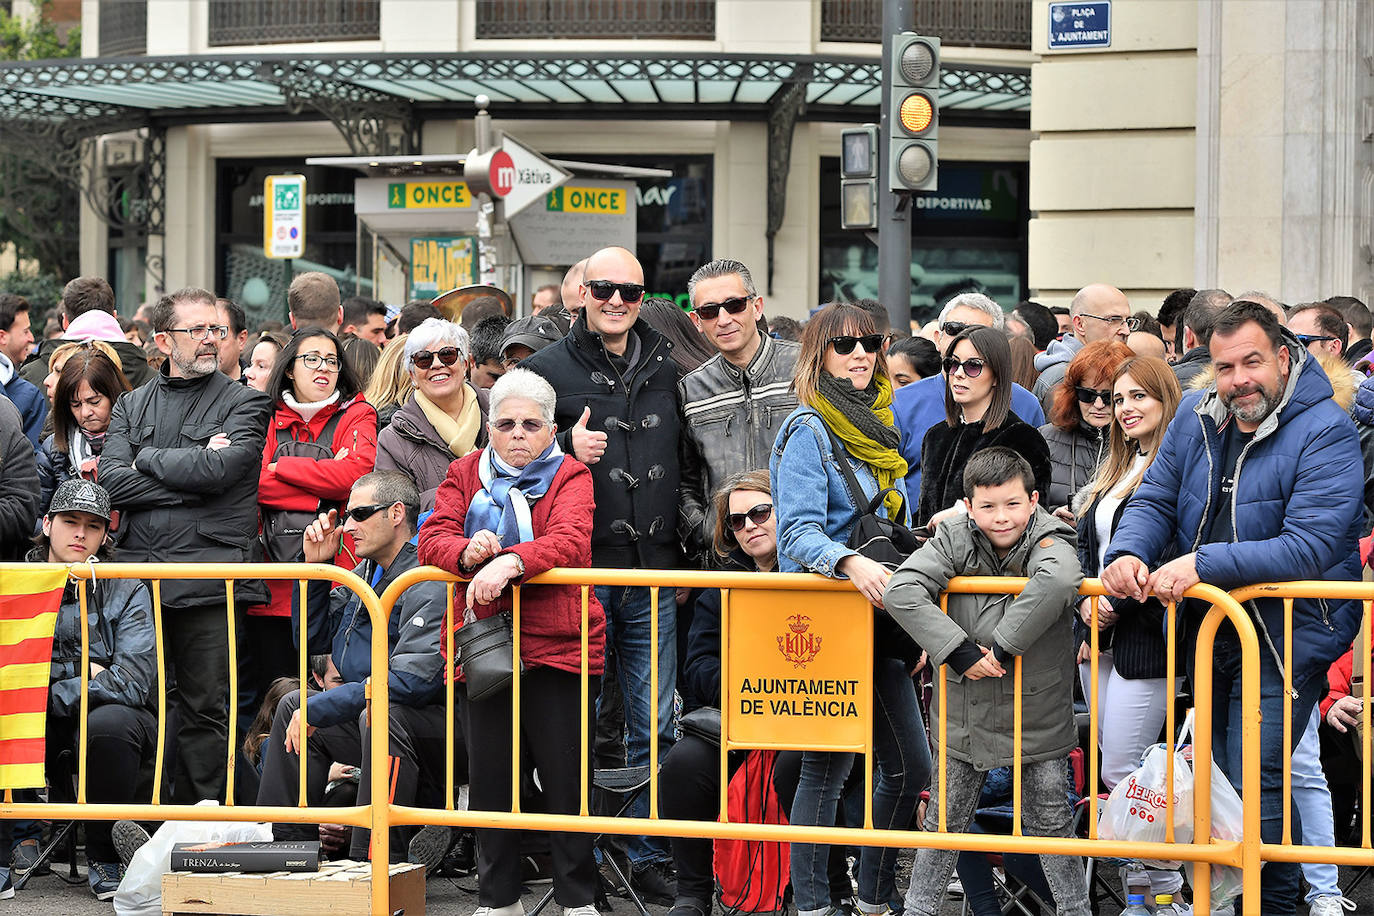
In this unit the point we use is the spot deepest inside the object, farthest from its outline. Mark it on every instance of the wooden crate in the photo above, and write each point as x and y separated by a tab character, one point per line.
340	888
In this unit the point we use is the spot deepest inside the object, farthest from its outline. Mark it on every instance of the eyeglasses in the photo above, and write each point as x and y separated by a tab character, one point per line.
315	361
363	513
203	332
758	515
1306	339
1093	395
423	359
845	343
1132	324
506	424
972	368
954	328
711	310
602	290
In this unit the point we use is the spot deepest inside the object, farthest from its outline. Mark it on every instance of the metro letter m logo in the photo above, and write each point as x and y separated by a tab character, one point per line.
505	177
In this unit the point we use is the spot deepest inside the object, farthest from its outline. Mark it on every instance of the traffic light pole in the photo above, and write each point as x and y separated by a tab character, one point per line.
894	208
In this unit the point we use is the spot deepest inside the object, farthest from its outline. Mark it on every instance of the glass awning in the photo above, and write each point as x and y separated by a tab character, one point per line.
96	94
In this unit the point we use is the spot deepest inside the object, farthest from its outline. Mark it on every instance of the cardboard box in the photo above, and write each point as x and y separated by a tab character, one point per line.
340	888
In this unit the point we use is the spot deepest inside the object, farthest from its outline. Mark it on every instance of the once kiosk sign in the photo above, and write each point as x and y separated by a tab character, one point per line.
798	669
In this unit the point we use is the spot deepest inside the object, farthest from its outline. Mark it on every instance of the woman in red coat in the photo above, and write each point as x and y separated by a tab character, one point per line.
503	514
322	438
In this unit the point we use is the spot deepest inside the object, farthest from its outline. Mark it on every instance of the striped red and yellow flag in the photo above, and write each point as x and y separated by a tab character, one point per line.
29	599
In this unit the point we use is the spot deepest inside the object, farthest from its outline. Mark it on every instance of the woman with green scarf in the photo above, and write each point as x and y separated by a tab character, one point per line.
846	416
978	415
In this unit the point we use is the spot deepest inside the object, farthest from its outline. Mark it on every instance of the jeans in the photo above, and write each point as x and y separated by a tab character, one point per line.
975	873
628	619
1045	811
1313	798
902	768
1279	880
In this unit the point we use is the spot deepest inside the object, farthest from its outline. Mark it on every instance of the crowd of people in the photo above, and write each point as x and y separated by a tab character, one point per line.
1217	439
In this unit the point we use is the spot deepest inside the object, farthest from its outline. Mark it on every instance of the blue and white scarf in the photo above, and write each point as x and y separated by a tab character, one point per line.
503	504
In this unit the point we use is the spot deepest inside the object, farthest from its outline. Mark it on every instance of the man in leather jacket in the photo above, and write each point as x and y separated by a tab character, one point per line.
734	404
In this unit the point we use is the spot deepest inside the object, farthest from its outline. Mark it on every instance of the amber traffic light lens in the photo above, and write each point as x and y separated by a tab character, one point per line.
915	113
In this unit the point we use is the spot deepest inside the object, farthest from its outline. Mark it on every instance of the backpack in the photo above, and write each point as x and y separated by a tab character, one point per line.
752	876
283	529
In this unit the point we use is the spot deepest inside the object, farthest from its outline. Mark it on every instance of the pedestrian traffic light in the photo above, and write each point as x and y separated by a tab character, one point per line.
859	177
915	79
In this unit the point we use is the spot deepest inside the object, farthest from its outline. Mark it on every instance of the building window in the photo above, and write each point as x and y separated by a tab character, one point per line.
969	236
265	22
980	23
123	28
684	19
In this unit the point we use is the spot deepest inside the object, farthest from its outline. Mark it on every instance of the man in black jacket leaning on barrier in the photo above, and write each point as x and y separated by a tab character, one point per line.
181	463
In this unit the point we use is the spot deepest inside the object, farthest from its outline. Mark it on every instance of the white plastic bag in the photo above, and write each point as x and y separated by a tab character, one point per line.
1136	811
1228	823
140	893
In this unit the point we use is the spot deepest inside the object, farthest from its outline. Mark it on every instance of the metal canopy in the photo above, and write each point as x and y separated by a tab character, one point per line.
452	164
406	89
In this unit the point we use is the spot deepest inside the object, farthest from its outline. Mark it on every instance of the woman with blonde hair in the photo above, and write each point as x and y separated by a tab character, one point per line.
390	385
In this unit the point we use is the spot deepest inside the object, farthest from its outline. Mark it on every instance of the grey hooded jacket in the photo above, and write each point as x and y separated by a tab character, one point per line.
1036	626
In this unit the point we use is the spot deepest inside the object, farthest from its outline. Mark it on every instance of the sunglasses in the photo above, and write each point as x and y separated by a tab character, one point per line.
506	424
602	290
954	328
758	515
423	359
845	343
363	513
711	311
1093	395
972	368
1306	339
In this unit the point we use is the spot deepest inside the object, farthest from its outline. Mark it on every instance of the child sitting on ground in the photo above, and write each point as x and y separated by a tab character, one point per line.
1005	533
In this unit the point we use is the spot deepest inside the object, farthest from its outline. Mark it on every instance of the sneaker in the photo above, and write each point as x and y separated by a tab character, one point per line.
128	837
104	878
585	910
1329	905
515	909
655	883
429	846
25	857
6	885
690	906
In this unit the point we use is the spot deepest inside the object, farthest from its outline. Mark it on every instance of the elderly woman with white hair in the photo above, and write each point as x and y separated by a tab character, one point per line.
504	514
444	419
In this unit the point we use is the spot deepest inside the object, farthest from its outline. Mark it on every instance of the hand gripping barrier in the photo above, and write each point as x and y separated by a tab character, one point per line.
807	590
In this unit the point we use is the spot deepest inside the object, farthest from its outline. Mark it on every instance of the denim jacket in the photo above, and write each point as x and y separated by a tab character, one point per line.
815	509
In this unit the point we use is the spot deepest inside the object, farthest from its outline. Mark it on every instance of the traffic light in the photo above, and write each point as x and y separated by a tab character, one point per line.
915	79
859	177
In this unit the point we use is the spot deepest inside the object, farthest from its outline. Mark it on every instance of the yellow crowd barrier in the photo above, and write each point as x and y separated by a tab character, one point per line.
803	595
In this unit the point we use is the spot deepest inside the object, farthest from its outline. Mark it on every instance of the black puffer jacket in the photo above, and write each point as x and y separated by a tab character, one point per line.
183	502
1074	456
18	484
122	641
636	480
946	449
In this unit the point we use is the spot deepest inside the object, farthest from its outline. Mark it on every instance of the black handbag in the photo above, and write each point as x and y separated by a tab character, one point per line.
486	650
703	722
880	539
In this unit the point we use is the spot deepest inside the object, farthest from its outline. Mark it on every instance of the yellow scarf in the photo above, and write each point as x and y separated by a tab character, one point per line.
886	462
460	434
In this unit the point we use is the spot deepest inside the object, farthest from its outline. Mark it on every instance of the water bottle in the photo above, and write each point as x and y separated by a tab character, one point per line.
1135	906
1164	905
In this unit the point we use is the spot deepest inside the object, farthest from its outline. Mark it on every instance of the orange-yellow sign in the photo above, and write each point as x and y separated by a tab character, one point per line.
798	670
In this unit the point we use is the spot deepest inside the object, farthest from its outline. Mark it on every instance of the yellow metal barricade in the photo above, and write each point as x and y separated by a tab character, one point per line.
365	816
1288	850
1204	851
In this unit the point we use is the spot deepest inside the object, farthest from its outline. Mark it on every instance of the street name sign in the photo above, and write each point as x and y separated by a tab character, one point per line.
1080	25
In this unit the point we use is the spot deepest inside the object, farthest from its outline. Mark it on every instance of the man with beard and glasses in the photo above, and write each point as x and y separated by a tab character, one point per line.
181	462
1258	479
